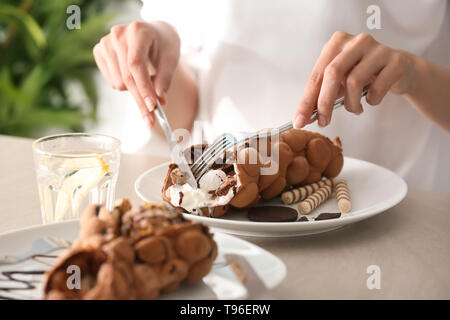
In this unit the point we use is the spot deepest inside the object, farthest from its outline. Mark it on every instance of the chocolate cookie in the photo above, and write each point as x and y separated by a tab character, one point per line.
272	214
327	216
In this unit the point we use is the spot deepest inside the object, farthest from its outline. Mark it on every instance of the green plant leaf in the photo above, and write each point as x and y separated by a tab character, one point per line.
34	82
39	56
36	33
47	118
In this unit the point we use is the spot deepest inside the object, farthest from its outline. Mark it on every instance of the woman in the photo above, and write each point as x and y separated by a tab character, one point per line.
252	60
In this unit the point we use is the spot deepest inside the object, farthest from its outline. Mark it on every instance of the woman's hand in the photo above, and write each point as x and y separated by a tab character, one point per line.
346	65
140	57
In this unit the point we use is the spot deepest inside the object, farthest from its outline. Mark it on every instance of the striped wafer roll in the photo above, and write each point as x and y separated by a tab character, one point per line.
343	196
300	194
314	200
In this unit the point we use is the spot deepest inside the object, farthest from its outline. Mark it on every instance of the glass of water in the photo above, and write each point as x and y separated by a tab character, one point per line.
74	170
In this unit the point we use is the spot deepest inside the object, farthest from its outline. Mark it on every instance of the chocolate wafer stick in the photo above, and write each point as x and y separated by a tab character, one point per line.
300	194
343	196
314	200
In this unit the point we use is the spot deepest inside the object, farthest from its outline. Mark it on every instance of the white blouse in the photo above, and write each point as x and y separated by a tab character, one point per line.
253	58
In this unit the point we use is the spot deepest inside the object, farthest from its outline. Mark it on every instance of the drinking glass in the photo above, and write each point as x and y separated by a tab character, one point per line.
74	170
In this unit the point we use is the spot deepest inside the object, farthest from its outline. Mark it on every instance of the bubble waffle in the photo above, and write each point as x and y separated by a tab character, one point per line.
304	157
132	254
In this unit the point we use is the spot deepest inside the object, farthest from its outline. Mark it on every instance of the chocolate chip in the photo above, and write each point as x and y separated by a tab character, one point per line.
272	214
327	216
302	219
229	170
181	198
226	186
97	209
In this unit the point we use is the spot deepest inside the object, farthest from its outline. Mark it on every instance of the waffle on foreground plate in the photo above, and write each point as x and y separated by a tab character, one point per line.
132	254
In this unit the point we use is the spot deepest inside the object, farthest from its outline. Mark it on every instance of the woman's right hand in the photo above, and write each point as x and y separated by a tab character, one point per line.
140	57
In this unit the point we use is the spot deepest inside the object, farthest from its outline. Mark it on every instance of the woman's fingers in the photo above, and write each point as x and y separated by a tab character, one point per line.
146	114
166	69
99	53
361	75
167	62
121	48
311	93
336	71
139	42
129	56
385	80
107	62
345	66
112	63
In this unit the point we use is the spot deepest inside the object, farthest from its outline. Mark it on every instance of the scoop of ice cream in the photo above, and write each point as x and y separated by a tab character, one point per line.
212	180
190	199
187	197
216	188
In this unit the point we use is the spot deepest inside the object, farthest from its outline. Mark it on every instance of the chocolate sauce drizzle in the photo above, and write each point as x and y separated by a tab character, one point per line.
13	276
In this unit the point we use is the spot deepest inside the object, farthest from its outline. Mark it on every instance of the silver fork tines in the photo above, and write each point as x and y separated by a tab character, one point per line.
212	154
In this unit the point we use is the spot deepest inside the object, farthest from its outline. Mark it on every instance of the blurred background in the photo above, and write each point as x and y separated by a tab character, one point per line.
49	82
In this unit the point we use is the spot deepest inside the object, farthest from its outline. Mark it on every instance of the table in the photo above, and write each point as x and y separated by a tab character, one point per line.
410	243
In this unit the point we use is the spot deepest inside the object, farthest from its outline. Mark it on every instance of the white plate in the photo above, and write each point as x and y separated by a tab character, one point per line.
373	189
271	269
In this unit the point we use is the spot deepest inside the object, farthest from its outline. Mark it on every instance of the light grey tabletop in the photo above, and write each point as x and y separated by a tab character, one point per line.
410	243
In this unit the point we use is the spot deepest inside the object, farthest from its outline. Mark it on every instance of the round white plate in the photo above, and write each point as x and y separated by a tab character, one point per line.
373	189
270	269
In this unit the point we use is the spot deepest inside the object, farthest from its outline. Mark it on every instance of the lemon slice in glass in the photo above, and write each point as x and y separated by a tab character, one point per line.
88	172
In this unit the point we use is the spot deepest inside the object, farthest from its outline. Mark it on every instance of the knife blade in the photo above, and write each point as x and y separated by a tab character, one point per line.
175	150
256	289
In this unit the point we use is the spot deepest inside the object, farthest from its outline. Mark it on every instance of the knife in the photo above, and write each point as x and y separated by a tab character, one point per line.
175	150
256	289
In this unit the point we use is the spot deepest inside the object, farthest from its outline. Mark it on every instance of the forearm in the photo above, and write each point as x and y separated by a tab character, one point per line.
430	92
182	99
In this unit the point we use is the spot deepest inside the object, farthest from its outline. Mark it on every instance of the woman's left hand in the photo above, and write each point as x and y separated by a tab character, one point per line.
345	66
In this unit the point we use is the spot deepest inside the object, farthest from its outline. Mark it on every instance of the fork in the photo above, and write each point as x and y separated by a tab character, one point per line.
39	246
227	141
